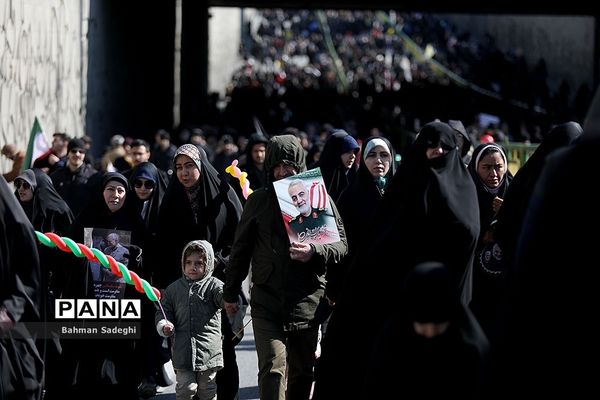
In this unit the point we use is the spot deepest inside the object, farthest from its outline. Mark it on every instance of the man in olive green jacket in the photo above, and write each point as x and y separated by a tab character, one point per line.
288	280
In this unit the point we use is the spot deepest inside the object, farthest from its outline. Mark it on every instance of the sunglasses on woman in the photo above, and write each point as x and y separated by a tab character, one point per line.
146	184
20	183
431	145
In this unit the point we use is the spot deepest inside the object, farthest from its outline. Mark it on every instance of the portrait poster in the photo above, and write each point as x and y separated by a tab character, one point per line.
116	244
306	209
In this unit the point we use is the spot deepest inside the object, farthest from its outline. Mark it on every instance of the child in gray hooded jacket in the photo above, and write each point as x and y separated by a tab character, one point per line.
192	305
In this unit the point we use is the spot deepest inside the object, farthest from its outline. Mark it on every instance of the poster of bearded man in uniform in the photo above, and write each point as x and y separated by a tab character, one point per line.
306	208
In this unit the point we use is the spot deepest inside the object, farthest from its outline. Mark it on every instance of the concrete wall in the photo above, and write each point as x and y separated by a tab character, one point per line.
43	61
566	42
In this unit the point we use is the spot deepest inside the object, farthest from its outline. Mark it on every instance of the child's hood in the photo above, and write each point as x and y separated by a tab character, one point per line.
206	248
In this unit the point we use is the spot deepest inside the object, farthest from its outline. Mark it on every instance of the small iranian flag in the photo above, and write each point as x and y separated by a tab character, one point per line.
38	145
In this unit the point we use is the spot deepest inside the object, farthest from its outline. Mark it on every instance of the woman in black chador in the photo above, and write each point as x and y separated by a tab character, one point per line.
47	212
106	368
358	202
431	346
21	367
199	204
429	213
510	217
337	162
147	191
148	187
255	159
553	282
489	170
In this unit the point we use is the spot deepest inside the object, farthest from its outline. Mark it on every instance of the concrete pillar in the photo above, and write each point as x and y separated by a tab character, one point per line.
130	68
194	61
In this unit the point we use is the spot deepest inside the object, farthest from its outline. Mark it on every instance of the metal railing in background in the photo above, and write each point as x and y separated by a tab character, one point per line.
517	154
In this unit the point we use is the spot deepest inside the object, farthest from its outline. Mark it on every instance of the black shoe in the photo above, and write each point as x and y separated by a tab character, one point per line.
147	388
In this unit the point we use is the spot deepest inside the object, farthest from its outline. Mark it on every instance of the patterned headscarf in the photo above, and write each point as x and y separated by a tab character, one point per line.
194	192
192	152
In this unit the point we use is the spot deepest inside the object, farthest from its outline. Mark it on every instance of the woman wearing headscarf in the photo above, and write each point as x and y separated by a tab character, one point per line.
428	213
148	187
110	208
431	346
255	160
359	201
111	368
147	191
337	162
47	212
489	170
511	218
44	207
199	205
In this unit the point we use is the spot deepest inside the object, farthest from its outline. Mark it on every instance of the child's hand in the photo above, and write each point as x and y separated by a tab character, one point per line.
168	329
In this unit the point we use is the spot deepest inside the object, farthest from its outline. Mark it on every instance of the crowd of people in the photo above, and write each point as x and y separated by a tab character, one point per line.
445	275
452	276
437	269
370	62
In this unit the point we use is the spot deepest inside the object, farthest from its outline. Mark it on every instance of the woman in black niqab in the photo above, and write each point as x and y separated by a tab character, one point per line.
429	200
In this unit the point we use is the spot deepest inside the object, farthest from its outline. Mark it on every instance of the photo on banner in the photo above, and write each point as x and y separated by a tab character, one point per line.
306	209
114	243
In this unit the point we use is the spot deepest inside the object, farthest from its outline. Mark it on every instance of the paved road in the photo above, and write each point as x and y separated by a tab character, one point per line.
247	364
